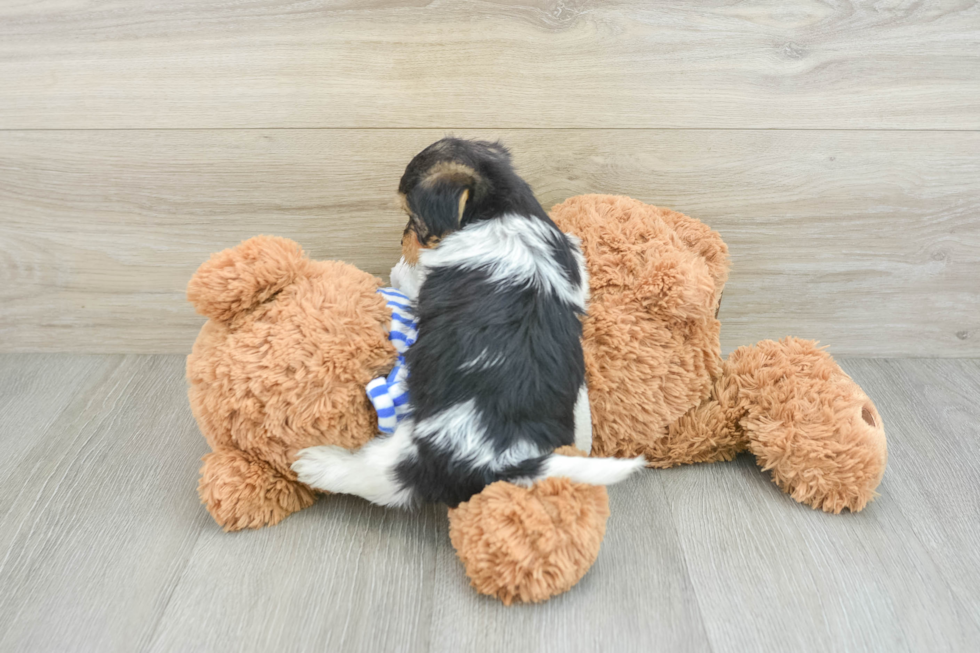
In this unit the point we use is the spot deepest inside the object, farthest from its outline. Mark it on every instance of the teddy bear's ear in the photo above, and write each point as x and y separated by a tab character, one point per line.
237	279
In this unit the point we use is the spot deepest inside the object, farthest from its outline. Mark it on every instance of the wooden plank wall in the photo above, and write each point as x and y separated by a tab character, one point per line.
835	145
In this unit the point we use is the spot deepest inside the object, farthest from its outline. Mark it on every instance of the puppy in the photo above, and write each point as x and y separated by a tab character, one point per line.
497	367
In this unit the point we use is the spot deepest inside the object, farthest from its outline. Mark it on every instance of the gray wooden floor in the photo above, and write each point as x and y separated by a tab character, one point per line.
103	546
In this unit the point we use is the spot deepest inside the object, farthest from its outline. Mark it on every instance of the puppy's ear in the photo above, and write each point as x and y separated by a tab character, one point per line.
440	198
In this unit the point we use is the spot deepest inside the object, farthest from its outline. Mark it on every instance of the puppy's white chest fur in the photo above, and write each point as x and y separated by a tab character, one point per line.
407	278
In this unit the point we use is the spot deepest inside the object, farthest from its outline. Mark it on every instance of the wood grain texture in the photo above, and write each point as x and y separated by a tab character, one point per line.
770	576
774	577
934	432
638	596
99	516
104	547
504	63
866	241
34	393
341	576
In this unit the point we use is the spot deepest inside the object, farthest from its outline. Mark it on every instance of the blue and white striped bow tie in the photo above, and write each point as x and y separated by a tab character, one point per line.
390	394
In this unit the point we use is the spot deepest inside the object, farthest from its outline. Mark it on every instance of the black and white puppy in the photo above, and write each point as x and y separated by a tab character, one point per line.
497	367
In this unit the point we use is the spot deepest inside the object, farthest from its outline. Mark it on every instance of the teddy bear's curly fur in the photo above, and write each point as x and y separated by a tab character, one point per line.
280	365
528	544
657	382
651	338
291	343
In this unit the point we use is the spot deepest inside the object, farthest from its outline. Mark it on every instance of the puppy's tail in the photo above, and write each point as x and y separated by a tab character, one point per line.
593	471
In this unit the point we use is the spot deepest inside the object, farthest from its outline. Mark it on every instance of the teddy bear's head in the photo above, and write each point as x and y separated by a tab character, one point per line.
288	348
651	337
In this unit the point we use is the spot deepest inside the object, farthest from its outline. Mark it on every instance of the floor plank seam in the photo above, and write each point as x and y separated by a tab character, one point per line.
35	512
766	573
910	528
687	566
154	632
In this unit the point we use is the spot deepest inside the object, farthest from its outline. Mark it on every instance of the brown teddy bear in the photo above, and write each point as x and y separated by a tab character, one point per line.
291	343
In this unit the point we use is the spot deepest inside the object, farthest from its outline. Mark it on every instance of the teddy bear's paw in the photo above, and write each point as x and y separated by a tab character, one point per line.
810	425
243	491
529	544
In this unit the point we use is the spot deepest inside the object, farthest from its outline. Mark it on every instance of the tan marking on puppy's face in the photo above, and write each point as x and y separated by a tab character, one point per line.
462	204
410	237
449	172
410	245
416	235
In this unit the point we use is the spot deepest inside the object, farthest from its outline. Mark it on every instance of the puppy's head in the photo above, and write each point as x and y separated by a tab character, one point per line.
450	184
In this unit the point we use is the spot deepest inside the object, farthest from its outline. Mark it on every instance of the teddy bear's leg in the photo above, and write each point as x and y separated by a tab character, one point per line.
707	433
529	544
244	491
809	424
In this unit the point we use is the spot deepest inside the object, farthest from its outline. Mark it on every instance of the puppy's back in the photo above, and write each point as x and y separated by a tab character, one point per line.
497	366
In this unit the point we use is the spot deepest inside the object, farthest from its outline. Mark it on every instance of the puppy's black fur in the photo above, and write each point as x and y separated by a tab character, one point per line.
531	336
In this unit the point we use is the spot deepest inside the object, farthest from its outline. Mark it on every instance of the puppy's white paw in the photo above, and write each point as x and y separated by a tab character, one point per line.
322	468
